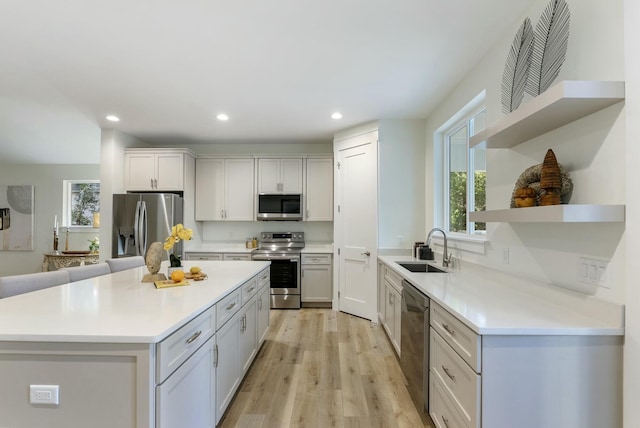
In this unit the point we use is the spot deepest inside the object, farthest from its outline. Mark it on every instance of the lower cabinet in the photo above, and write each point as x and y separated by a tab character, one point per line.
248	335
316	282
228	369
390	306
187	397
264	306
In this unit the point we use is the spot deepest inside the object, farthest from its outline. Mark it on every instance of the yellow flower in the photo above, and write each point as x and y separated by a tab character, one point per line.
178	232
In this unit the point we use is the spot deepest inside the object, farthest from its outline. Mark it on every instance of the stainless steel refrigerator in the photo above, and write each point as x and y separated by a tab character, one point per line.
139	219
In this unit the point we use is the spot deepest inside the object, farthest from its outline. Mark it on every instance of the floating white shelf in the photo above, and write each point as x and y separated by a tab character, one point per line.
561	104
554	214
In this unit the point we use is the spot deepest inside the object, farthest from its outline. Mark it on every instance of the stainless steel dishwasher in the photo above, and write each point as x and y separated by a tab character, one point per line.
414	344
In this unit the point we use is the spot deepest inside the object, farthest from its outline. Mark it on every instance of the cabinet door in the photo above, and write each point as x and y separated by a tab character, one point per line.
210	189
239	195
291	175
397	322
248	334
264	306
187	397
140	171
319	194
316	283
169	171
237	257
269	176
389	310
228	368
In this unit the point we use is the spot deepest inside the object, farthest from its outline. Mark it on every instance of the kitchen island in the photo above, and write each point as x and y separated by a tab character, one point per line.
117	348
506	352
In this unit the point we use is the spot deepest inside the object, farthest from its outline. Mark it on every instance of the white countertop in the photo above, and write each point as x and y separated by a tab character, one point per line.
222	247
495	303
118	308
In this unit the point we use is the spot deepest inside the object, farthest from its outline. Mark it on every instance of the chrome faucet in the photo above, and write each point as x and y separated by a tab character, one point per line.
446	258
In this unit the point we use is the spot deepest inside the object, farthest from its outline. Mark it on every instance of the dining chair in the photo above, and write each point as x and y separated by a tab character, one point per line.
19	284
124	263
78	273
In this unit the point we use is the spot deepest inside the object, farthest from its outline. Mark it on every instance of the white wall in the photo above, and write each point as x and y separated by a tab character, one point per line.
592	149
48	182
632	232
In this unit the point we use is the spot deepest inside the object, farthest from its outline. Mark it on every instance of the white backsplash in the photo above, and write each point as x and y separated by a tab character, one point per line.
238	231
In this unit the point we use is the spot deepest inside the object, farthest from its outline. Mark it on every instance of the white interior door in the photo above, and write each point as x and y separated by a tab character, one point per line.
356	223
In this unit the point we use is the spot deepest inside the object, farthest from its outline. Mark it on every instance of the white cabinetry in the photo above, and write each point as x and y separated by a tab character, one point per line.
392	309
560	105
319	189
248	334
224	189
237	256
228	364
190	255
316	286
187	397
155	170
264	306
280	175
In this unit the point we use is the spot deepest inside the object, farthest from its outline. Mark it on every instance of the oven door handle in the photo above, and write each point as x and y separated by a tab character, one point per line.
268	258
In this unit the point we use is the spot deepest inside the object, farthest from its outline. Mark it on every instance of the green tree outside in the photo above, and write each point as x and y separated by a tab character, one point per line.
458	199
85	200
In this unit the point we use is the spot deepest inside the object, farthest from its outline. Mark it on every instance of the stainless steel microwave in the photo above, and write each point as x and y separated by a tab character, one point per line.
279	207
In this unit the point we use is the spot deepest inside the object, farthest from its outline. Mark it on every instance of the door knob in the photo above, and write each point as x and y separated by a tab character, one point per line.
366	253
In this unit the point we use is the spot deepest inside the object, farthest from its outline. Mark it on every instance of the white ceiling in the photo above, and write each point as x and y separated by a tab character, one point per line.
278	68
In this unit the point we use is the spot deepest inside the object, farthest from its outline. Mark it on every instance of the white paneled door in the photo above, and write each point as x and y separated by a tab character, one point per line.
356	224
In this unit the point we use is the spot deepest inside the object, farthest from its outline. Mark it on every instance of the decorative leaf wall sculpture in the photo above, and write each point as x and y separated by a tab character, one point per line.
516	69
550	47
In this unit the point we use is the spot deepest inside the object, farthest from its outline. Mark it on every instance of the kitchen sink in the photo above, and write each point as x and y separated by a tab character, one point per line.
420	267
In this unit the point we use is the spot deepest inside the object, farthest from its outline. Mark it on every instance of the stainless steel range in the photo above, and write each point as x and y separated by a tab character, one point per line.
282	249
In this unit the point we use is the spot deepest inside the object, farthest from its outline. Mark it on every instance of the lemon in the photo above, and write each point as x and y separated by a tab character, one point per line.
195	270
177	275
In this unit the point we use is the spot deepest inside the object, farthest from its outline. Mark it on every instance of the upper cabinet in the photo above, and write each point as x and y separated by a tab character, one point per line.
560	105
224	189
155	170
277	175
319	189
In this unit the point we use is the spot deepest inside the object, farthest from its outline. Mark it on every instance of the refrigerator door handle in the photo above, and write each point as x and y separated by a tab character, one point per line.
142	229
136	231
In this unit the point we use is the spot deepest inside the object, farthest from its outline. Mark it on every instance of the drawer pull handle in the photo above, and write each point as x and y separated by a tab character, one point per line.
231	306
195	337
445	421
448	373
449	329
251	289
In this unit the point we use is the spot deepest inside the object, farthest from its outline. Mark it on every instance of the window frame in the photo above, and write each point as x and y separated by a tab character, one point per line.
463	118
67	206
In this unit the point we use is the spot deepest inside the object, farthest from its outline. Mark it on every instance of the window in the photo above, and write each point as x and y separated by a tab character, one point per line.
81	203
465	175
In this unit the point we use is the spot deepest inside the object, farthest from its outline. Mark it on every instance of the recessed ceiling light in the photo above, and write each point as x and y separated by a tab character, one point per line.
222	117
336	116
112	118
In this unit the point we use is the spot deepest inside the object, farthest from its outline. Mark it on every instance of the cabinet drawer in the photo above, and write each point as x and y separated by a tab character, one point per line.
202	256
394	279
441	408
238	257
227	307
175	349
249	289
264	277
460	382
316	259
460	337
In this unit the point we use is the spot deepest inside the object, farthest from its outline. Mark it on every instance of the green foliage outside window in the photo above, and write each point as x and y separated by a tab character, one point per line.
85	200
458	199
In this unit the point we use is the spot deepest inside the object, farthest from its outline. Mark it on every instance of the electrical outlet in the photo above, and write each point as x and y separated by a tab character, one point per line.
44	394
592	271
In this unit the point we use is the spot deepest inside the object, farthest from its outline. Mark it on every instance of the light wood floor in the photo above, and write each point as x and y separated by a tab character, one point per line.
319	368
